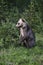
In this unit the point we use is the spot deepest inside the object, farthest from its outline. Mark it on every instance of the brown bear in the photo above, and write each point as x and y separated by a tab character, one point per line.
26	34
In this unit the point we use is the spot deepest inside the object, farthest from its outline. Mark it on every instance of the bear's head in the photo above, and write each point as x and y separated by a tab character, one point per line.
20	23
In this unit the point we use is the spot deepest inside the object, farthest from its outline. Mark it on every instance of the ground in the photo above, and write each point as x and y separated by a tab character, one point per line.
23	56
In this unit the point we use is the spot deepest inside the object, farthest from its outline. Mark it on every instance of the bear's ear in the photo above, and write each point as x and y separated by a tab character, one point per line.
23	20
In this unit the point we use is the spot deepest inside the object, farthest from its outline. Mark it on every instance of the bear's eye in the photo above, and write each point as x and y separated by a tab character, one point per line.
18	23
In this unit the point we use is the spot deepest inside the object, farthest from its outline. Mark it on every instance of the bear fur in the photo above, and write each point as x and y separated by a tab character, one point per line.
27	36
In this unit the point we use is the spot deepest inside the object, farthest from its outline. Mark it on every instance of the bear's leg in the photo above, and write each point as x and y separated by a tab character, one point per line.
31	43
26	44
21	40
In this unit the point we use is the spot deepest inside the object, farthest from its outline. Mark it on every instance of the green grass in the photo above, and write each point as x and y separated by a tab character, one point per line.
23	56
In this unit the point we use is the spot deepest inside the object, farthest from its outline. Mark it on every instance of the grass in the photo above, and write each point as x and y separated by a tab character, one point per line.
23	56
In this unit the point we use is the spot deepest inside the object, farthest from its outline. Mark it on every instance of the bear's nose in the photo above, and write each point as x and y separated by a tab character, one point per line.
16	25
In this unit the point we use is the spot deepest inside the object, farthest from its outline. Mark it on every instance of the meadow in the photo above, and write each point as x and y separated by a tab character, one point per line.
21	55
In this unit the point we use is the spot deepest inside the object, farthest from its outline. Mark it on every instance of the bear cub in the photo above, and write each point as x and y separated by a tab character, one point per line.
27	36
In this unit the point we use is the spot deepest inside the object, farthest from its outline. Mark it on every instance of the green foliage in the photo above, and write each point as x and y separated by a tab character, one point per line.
8	34
30	10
